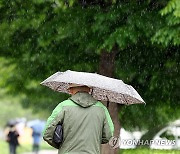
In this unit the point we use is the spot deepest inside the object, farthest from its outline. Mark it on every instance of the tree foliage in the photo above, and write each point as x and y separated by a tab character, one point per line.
169	33
42	37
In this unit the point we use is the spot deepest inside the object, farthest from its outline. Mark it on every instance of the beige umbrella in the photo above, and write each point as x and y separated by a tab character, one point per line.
103	88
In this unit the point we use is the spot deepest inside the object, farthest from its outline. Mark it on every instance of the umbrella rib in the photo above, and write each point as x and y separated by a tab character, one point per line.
125	99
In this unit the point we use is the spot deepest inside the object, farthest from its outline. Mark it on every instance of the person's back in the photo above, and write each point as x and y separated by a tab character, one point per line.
12	139
36	141
86	125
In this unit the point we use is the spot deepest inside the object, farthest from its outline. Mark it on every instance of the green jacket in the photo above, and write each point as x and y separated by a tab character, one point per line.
86	125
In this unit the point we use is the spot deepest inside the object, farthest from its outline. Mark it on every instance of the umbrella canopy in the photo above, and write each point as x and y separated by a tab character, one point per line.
12	122
103	88
37	125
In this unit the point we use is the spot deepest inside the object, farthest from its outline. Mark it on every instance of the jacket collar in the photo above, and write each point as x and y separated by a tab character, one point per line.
83	99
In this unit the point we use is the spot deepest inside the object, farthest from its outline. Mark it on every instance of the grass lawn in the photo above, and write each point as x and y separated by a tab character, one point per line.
4	148
148	151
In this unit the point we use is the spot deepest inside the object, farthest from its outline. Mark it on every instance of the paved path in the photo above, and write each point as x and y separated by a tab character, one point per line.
44	152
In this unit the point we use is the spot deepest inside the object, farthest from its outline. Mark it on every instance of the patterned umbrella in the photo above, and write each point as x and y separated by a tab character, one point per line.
103	88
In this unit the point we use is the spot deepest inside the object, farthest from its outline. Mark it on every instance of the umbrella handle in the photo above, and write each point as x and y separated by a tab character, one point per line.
107	104
92	91
107	101
106	97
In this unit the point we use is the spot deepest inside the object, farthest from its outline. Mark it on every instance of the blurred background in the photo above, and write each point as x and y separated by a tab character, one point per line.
137	41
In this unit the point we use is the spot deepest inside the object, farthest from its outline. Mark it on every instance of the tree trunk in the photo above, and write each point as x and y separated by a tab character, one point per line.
107	67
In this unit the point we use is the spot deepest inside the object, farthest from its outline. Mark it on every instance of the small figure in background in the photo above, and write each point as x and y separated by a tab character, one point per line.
37	127
12	139
36	141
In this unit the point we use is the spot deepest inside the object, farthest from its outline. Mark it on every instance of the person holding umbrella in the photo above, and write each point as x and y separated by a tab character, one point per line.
86	123
37	127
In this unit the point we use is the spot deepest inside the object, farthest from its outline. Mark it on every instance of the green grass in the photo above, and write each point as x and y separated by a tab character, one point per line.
4	148
149	151
28	148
